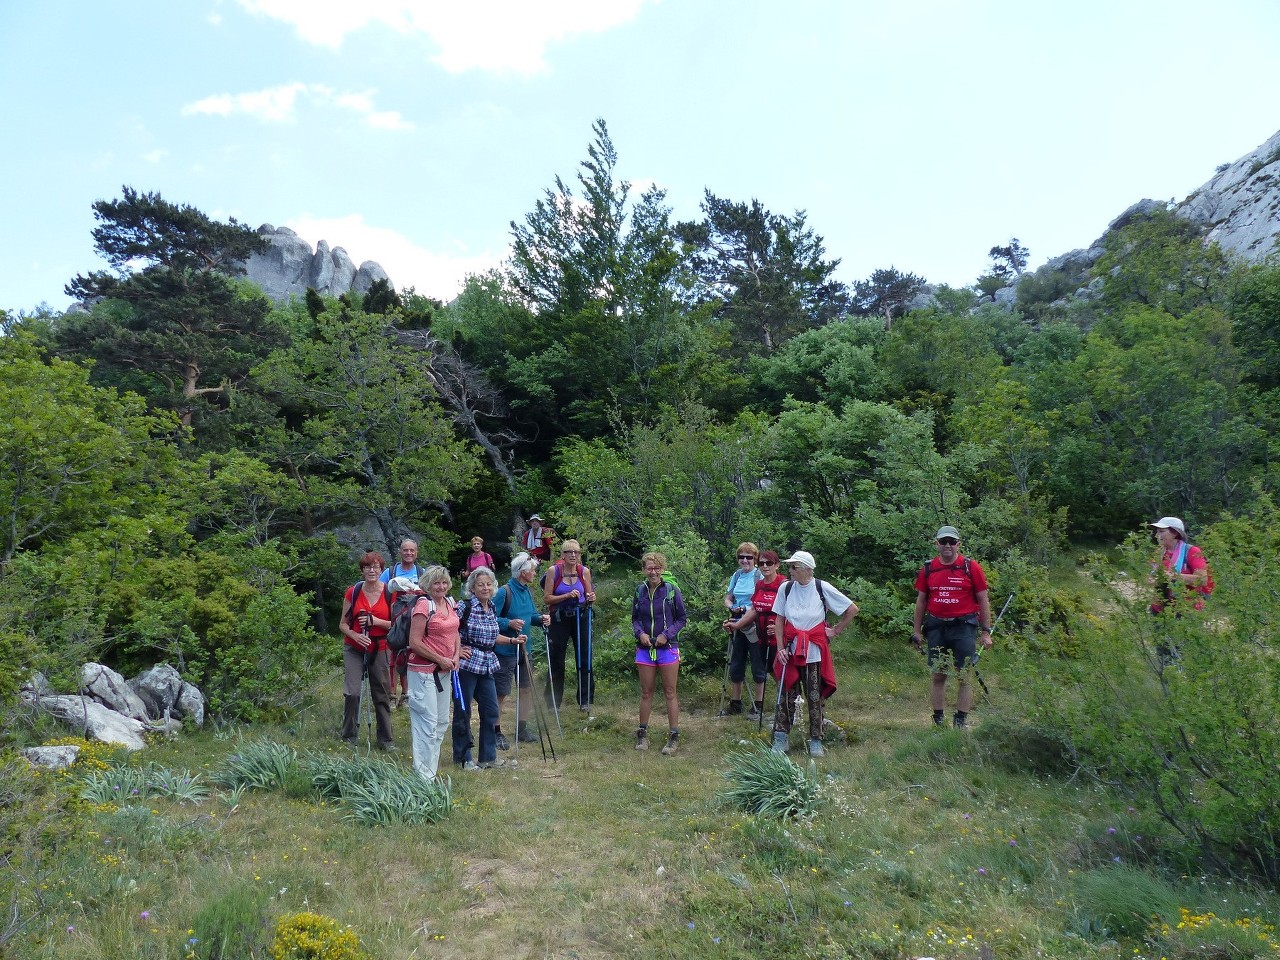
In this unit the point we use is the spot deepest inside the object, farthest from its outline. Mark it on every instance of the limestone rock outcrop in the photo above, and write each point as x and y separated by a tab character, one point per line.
1240	206
289	266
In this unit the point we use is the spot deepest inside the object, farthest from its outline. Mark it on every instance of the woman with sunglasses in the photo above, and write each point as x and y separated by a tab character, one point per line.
744	639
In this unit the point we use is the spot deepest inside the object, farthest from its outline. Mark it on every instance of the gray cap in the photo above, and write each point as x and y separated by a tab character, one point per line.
951	532
1171	523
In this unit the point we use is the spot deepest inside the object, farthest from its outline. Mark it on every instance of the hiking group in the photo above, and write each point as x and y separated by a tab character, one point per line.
402	622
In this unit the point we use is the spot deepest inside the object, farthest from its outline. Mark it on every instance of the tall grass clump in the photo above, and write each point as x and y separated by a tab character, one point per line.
260	764
1121	902
379	793
231	926
124	783
769	784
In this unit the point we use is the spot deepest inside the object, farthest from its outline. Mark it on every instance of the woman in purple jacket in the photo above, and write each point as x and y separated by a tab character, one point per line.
657	617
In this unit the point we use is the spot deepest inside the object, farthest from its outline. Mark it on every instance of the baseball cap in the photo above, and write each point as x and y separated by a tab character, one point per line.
944	532
803	557
1171	523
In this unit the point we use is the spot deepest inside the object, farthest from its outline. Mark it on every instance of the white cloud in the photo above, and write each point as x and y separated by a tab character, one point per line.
279	104
408	264
496	35
155	156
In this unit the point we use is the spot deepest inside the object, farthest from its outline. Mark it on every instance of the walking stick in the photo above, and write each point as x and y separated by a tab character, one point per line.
365	712
519	651
591	669
540	714
724	681
977	653
551	686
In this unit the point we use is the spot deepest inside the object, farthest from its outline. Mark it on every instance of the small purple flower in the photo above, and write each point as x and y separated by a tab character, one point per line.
1111	829
982	871
692	925
966	816
848	903
1013	843
1115	859
145	915
715	939
71	929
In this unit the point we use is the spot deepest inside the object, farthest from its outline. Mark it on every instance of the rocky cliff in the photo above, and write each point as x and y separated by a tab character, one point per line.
290	266
1240	206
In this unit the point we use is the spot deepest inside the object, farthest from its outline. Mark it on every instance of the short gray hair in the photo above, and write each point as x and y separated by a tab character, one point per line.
520	562
476	574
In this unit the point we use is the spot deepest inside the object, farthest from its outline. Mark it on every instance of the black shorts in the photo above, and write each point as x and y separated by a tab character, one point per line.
952	643
506	672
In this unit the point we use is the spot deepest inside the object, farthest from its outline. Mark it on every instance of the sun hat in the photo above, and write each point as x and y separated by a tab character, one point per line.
803	557
1171	523
944	532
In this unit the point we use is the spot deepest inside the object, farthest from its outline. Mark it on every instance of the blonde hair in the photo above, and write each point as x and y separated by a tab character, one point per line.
434	574
749	547
571	544
653	557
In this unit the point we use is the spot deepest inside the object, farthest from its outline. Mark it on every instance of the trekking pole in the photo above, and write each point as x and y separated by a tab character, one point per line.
551	686
977	651
519	651
724	681
457	692
591	665
365	712
540	715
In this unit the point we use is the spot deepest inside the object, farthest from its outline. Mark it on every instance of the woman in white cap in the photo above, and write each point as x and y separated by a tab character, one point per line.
1181	563
804	648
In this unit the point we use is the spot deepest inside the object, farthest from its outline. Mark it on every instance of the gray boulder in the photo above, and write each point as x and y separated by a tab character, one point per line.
190	705
342	271
34	687
94	720
159	688
368	274
52	758
111	690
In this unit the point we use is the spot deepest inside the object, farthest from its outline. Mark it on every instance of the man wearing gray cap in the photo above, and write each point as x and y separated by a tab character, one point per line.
951	606
804	648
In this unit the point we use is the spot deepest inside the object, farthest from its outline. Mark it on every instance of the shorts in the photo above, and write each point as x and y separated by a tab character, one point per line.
506	673
666	655
952	643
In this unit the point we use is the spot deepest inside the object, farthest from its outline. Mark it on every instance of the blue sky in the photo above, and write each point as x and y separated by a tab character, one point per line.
915	133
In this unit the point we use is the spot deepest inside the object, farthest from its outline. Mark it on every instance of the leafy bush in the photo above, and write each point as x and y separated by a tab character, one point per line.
1192	739
769	784
311	936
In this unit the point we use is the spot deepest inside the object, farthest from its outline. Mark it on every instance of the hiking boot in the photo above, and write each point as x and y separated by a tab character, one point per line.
471	765
815	749
642	739
733	709
756	709
781	742
527	736
493	764
673	744
939	719
960	721
386	746
503	742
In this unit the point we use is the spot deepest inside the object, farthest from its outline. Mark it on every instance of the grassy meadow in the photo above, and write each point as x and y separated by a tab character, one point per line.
923	842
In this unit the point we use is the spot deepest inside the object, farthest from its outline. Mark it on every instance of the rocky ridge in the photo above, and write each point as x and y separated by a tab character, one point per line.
289	266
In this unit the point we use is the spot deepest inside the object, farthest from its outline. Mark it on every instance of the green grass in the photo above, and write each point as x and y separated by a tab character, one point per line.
921	843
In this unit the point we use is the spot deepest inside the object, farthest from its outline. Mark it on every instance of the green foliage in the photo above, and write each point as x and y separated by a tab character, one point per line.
123	783
1187	737
377	793
1119	901
768	784
259	764
232	924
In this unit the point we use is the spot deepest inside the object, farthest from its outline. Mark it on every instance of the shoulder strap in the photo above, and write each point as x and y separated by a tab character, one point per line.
505	590
822	595
1180	560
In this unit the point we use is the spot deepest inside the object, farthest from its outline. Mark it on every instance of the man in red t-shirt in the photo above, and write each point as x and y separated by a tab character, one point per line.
951	605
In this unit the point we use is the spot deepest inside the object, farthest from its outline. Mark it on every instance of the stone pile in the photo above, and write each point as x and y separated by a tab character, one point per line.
115	710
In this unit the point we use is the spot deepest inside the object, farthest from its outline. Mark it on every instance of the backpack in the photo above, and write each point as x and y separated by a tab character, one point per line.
929	568
672	588
558	569
1179	566
351	601
402	619
826	607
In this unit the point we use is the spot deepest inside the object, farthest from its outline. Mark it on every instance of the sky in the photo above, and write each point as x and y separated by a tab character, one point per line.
914	134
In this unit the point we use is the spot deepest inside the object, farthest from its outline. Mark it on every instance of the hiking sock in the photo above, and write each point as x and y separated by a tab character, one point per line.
938	717
497	729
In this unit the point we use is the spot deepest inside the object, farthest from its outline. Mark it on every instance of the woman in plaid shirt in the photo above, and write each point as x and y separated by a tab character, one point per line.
476	673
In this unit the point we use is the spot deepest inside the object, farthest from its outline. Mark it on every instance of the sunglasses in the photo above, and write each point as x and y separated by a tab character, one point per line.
745	556
768	563
948	541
